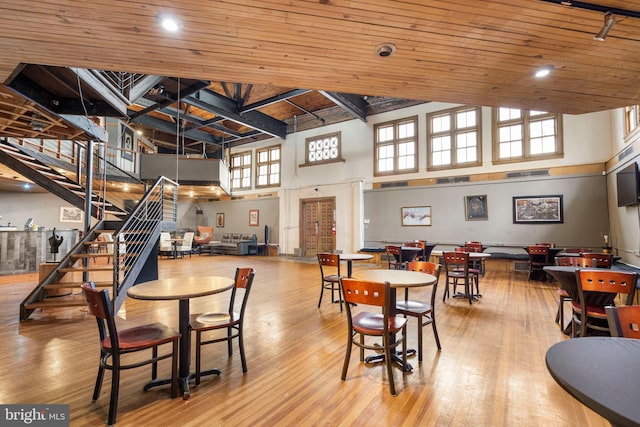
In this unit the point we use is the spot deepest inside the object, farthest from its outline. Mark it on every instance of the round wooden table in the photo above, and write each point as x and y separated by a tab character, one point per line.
353	257
182	289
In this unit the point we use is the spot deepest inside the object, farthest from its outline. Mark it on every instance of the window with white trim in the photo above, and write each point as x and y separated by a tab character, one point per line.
241	171
268	167
396	147
323	149
454	138
525	135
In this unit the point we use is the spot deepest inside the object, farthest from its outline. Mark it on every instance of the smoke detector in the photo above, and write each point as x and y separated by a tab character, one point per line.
385	49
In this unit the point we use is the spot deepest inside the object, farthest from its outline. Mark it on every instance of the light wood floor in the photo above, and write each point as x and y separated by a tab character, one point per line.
490	372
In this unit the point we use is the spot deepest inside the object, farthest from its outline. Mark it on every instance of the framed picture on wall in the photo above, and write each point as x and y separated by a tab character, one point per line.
475	208
253	218
70	214
537	209
220	220
126	149
416	215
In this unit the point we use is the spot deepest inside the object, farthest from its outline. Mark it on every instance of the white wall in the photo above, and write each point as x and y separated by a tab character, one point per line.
586	140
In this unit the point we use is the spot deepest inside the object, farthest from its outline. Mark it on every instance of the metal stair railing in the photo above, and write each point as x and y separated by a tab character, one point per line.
136	239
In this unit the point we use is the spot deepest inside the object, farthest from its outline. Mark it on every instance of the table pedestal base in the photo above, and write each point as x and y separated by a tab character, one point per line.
183	383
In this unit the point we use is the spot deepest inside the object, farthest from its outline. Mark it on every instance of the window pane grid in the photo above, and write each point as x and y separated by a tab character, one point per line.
268	167
396	147
241	171
454	137
323	149
533	134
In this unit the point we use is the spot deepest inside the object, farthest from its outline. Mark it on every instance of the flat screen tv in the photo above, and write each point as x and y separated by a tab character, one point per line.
627	180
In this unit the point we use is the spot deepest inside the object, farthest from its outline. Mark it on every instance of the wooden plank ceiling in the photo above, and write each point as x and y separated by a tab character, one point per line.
245	52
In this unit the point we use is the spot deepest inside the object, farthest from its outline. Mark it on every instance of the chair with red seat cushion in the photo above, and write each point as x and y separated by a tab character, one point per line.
423	311
232	321
456	267
115	344
330	281
597	288
390	329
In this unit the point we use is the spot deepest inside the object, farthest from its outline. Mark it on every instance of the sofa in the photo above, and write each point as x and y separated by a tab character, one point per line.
232	244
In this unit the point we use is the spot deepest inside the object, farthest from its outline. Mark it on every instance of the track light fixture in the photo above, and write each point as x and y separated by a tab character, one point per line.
609	20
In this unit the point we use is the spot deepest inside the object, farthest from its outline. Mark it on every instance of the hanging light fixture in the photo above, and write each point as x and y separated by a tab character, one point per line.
609	20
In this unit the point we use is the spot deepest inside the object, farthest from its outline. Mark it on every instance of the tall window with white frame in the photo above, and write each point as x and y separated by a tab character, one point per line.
454	138
241	171
521	135
396	147
268	167
323	149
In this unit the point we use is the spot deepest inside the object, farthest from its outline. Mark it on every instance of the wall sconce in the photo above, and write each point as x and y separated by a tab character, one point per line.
609	20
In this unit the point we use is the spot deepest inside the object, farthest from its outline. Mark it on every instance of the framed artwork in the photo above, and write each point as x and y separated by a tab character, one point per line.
127	148
416	215
220	220
537	209
475	208
253	217
71	214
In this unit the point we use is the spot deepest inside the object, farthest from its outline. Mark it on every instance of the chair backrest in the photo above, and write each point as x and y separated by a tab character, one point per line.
606	281
429	268
187	239
328	260
544	244
394	250
100	306
573	261
368	293
165	237
598	260
456	261
624	321
539	250
473	247
108	237
243	280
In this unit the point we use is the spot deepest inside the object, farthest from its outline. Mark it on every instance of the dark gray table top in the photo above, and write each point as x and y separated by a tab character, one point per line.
602	373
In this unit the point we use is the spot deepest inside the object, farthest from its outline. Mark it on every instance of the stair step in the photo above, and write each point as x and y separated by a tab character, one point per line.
38	166
74	300
88	268
7	147
67	184
92	255
65	285
21	156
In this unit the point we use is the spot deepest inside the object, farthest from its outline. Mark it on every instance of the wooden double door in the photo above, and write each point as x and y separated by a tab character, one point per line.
317	225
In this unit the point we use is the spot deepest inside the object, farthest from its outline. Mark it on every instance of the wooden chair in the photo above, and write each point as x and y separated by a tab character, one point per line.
330	281
456	267
394	256
379	325
598	260
539	257
115	344
424	312
562	294
476	264
624	321
232	321
416	244
597	288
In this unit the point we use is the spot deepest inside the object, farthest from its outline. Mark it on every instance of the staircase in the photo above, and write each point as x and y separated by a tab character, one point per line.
131	256
35	167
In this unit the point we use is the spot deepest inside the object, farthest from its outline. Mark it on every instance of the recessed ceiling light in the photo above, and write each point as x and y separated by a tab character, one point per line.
543	71
169	23
26	186
385	49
